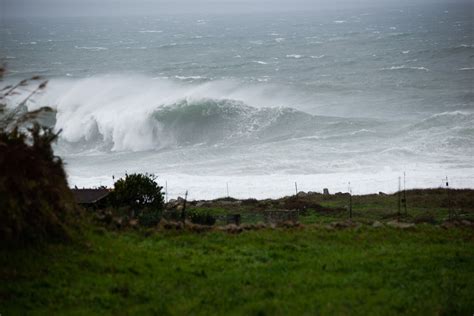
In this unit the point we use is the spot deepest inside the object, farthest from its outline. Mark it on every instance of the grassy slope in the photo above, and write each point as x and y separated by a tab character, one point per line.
426	270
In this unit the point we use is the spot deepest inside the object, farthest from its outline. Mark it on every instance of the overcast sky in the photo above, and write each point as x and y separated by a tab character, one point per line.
151	7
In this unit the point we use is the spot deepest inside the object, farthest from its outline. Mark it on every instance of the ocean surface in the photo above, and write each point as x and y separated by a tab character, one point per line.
257	102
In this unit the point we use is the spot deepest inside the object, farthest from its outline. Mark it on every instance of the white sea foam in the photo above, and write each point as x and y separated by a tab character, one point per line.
141	47
363	131
260	62
168	45
318	57
151	31
296	56
189	77
403	67
92	48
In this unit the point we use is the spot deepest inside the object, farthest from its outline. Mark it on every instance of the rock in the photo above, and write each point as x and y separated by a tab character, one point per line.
400	225
448	225
301	194
171	225
118	221
345	224
197	228
179	208
231	228
377	224
288	224
260	226
381	193
326	191
133	223
171	204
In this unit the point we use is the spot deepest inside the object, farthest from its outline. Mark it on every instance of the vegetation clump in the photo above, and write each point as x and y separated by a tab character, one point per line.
35	200
142	195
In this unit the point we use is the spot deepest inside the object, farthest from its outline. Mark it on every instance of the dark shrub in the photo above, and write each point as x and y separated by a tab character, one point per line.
141	194
35	200
138	191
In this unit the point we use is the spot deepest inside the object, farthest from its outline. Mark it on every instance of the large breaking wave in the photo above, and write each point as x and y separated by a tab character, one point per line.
136	114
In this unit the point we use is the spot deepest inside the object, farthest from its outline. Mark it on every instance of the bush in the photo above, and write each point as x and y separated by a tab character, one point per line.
141	194
35	201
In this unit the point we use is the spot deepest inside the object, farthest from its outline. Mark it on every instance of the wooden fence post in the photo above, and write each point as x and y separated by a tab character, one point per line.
183	213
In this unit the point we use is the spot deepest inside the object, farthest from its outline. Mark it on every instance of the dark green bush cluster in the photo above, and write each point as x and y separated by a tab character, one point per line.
141	195
138	191
202	218
35	200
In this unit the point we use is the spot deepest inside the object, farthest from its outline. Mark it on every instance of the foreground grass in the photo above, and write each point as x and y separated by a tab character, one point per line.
426	270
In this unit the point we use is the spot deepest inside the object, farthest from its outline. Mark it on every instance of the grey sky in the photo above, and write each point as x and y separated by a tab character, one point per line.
151	7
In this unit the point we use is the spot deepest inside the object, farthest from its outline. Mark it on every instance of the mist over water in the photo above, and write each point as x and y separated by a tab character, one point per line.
258	100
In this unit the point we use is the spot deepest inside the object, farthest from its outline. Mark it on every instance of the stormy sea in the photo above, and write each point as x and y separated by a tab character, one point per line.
249	104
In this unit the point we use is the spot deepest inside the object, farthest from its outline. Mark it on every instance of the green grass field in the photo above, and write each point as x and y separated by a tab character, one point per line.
425	270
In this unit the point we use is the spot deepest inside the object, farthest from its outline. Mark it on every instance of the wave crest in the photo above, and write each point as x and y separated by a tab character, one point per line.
212	121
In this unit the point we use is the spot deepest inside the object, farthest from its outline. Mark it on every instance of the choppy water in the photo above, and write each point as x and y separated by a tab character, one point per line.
259	101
